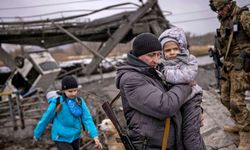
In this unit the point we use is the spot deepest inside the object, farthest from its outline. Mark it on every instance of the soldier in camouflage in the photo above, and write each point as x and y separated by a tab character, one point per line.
233	38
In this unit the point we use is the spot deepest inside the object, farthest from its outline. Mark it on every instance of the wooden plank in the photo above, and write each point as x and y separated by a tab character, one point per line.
30	104
6	114
33	111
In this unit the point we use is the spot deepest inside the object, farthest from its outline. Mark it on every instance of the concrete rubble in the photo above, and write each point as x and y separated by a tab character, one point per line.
216	116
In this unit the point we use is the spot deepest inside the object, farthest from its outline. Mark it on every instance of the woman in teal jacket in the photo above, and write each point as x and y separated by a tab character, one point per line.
68	117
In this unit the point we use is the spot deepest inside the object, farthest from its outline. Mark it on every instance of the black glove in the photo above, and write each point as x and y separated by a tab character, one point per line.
244	54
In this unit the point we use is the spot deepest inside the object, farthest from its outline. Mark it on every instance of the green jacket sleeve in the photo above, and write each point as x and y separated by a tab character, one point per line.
245	22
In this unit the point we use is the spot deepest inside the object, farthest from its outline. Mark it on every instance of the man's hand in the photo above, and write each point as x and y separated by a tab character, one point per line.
98	144
202	118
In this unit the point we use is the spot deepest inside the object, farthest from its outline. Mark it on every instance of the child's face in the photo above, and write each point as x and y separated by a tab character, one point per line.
71	93
171	49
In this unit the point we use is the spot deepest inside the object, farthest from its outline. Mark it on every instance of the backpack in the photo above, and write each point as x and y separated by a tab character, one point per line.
58	105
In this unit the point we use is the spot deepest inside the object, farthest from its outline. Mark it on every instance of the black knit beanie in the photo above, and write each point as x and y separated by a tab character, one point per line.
69	82
145	43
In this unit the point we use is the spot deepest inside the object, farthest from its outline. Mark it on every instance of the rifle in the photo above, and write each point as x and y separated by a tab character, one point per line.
214	53
107	107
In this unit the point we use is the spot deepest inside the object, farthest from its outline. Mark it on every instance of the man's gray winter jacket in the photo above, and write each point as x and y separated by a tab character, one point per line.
147	103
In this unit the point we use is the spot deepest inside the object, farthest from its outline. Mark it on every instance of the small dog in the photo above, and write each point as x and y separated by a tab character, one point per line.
110	134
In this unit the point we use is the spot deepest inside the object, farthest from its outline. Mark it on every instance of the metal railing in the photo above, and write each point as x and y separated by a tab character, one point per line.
15	110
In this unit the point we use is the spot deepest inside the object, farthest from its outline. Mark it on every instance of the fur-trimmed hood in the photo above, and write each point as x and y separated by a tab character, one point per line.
175	34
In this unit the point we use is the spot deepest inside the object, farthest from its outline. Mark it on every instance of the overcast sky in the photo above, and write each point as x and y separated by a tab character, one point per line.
193	16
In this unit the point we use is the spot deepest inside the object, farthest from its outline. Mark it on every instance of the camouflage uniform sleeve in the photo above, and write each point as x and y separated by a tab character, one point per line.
245	21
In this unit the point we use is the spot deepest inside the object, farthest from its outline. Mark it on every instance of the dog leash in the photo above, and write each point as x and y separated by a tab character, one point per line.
165	136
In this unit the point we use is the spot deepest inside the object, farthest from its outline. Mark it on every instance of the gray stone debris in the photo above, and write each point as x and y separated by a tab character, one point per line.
216	116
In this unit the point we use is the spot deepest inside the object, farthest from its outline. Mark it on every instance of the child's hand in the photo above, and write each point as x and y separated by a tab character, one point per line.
35	140
85	138
193	83
98	143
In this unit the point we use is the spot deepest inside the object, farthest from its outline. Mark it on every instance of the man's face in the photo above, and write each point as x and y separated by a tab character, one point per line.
152	58
171	49
223	12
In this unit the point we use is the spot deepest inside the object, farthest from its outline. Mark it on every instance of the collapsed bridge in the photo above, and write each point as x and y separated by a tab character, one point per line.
110	31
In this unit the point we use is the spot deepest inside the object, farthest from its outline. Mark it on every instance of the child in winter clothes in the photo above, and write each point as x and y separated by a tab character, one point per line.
68	117
177	66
